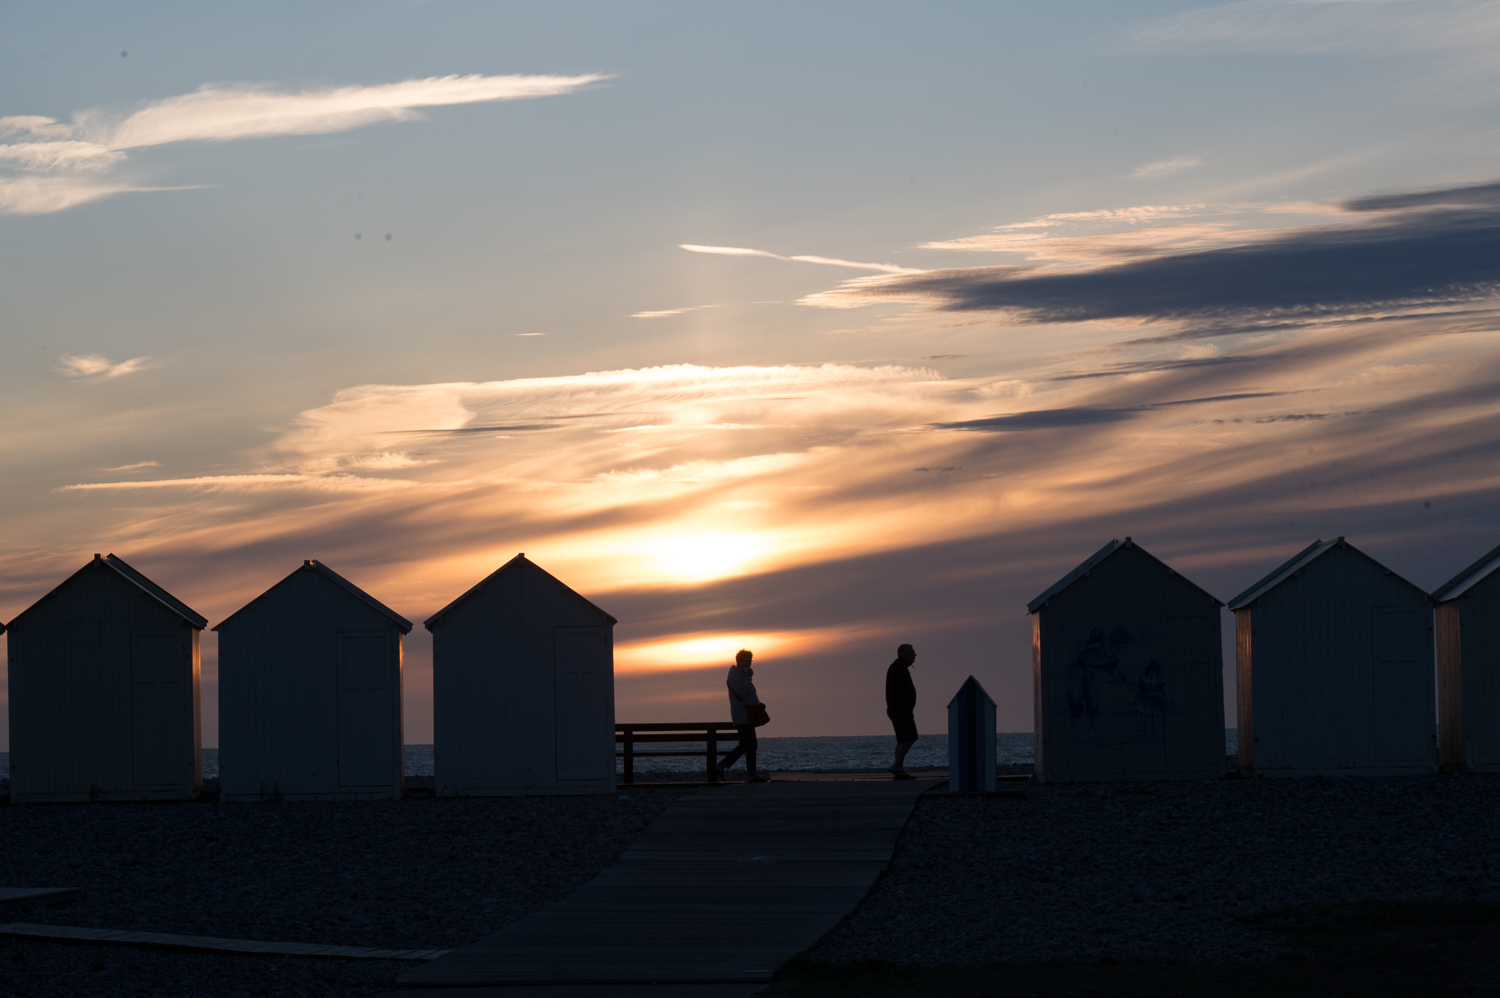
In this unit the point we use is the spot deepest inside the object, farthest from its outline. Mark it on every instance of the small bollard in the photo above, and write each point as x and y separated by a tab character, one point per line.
971	739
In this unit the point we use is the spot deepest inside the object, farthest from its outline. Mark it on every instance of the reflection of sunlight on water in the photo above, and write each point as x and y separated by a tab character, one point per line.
699	557
698	651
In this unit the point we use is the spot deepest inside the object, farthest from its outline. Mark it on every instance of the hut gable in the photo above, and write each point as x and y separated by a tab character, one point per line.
516	575
310	692
111	587
314	573
1127	671
1481	572
1310	568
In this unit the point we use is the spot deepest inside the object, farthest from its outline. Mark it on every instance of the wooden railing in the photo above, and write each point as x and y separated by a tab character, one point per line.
628	736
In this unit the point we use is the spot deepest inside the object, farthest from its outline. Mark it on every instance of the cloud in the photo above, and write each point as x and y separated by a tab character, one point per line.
97	365
58	163
247	483
827	261
1047	419
1165	168
135	467
1428	249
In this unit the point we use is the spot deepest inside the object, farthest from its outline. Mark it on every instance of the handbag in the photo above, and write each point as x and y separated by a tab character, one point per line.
755	713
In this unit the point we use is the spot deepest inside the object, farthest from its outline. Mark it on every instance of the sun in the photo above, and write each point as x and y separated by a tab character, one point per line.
698	557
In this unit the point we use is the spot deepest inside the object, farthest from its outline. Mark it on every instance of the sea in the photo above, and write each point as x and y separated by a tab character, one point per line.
831	753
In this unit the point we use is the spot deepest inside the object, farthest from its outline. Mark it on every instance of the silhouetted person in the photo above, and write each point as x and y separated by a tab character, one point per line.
900	703
741	693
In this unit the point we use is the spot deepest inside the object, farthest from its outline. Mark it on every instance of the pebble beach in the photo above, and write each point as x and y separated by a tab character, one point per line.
1062	872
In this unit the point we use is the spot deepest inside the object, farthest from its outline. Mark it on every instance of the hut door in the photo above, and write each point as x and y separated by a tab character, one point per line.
159	723
1403	712
367	722
585	731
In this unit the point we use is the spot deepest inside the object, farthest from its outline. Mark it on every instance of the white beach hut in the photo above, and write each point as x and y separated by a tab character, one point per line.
1468	667
1127	672
310	692
523	688
104	675
1334	666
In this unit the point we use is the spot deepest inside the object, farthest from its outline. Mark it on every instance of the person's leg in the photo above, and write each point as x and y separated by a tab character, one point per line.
747	738
906	737
901	749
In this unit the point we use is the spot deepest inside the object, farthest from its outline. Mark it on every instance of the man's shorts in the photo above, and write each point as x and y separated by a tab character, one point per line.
906	726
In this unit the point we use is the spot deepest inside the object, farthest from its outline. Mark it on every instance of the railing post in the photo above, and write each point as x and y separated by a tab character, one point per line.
629	733
713	755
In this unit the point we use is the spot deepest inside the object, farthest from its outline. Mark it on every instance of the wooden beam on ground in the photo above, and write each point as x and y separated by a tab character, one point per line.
207	944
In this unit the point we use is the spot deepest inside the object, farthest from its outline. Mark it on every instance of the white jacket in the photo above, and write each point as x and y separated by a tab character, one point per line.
741	692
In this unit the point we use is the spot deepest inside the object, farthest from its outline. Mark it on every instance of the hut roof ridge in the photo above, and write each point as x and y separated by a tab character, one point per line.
135	578
1098	556
1301	560
171	602
313	565
515	562
1469	577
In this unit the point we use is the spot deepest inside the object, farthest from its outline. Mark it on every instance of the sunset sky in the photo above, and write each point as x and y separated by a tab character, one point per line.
813	328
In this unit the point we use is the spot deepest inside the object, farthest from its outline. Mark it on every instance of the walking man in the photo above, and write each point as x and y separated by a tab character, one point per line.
900	702
742	694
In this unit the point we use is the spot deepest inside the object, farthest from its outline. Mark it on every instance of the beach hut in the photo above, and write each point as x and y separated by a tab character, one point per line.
104	691
523	688
971	739
1127	672
310	692
1468	667
1333	656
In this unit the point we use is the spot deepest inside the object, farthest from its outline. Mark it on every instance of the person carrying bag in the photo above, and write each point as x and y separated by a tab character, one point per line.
747	713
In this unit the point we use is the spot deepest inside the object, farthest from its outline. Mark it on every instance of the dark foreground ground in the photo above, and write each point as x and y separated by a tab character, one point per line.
1368	950
1374	886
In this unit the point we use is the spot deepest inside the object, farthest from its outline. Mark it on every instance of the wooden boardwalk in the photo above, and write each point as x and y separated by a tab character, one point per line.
721	889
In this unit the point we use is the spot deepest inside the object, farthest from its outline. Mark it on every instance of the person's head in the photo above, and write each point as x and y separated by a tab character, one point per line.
743	657
907	654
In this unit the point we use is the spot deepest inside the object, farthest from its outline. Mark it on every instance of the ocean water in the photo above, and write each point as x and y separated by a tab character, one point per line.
835	753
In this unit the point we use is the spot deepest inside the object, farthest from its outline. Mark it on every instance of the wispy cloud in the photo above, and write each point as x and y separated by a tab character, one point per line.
248	483
668	312
1165	168
137	466
827	261
1385	254
97	365
57	165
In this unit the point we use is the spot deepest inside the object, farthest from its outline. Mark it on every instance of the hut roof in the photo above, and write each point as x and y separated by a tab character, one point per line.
1094	559
1296	563
520	561
145	585
1469	577
313	565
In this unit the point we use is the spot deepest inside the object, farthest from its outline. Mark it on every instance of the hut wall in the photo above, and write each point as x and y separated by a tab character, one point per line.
103	696
523	691
1469	677
1128	672
1340	667
309	696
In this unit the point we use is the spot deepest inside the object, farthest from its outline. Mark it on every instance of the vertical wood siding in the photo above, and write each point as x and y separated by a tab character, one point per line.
1129	675
523	690
103	695
1342	672
309	695
1469	677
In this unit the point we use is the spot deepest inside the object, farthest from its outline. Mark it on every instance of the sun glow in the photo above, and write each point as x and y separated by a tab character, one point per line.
699	557
706	650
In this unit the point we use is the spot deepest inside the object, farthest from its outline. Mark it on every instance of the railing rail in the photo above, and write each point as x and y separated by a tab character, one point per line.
628	736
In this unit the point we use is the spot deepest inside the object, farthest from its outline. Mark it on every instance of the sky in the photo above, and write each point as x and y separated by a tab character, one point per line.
809	328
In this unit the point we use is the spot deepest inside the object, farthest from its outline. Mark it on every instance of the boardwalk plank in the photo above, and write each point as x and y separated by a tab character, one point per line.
723	887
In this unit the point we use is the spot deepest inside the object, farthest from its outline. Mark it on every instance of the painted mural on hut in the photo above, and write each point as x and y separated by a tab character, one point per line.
1113	694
